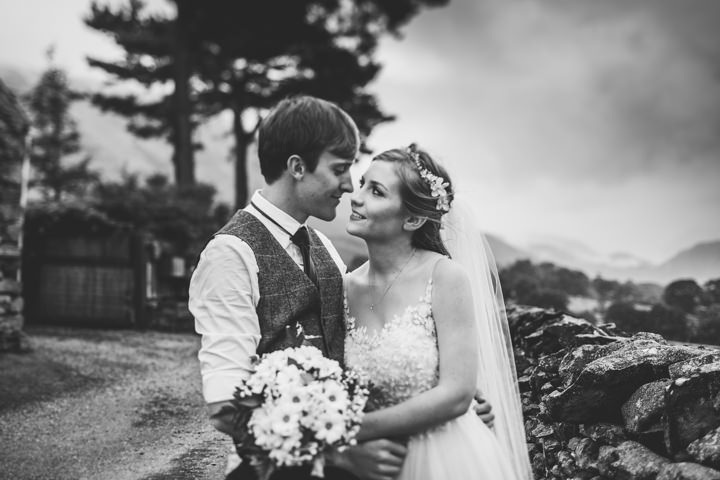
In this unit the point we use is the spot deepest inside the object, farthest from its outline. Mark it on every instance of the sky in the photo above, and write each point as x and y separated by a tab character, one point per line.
575	122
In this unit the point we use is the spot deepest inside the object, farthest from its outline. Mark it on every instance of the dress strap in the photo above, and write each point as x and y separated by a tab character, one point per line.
428	288
427	298
349	320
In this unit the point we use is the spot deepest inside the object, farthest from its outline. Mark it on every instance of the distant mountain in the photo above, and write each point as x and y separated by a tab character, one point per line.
505	253
701	262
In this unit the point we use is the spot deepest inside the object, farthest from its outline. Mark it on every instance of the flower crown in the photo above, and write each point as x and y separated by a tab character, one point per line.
438	185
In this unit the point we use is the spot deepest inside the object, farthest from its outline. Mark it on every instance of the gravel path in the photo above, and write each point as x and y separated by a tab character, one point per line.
106	405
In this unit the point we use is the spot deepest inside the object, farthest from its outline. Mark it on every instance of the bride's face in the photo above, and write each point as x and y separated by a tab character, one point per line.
377	207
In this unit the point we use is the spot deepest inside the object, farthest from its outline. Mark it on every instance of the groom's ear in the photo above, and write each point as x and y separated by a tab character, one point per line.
296	166
413	222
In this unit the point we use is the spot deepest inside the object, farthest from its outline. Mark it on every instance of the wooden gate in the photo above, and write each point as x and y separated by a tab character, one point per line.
102	281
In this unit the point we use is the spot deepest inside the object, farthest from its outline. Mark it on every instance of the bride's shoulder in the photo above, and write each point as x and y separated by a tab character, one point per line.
447	272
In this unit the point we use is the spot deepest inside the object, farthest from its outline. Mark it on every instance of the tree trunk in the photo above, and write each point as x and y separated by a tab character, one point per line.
242	140
183	156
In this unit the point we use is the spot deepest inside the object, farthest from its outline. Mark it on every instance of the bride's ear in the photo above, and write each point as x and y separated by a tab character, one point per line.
296	166
413	222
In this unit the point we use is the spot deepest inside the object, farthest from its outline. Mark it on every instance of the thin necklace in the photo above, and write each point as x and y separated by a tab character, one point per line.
389	285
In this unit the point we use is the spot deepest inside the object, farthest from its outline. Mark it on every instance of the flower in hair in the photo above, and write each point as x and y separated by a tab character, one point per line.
438	185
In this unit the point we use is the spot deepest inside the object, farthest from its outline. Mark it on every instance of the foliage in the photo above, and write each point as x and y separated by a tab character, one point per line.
684	294
182	217
632	318
711	292
707	329
58	218
690	313
548	298
544	285
243	57
611	291
13	128
55	138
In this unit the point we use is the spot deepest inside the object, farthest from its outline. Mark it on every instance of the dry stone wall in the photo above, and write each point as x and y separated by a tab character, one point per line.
600	404
13	129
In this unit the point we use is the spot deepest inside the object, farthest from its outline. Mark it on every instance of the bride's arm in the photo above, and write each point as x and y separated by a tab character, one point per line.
452	307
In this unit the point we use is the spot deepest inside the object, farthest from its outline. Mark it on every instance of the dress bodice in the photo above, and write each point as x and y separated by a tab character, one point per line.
401	359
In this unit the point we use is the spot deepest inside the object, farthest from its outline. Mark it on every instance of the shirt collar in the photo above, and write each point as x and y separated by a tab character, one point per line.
285	220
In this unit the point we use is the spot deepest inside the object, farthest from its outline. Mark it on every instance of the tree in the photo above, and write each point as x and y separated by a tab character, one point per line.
708	325
604	289
628	318
683	294
671	323
572	282
158	52
711	294
56	137
245	56
182	217
14	126
548	298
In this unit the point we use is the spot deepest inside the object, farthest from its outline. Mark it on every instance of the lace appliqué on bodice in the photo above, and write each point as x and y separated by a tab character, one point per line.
401	359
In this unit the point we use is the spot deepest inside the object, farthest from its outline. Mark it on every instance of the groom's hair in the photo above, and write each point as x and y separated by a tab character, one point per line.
304	126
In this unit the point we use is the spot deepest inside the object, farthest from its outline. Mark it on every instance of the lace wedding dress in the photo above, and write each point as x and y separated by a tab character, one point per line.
401	360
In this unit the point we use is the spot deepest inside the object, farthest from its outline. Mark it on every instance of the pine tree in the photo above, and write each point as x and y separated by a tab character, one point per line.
56	138
244	56
158	52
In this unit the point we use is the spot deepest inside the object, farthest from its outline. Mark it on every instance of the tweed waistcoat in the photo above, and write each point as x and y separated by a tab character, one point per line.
288	298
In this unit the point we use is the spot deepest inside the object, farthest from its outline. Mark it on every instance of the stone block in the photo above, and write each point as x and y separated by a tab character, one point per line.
605	433
560	333
10	212
585	451
12	231
630	461
687	471
692	407
694	365
575	361
607	382
9	250
706	449
10	324
8	285
17	305
643	411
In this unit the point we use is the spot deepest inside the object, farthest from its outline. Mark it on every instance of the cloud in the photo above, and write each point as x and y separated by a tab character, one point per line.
595	120
569	89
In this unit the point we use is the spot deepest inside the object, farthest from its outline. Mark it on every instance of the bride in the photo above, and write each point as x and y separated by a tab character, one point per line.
425	325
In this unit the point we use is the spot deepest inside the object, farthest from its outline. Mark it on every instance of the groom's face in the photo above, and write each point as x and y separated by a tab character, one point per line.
320	191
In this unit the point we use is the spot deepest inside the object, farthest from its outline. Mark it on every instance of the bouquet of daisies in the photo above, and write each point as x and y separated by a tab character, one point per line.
302	405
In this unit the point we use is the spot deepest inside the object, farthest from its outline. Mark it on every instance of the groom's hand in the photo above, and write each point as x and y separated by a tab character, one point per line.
483	409
373	460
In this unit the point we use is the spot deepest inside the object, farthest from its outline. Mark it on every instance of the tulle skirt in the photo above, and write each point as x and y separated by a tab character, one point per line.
462	449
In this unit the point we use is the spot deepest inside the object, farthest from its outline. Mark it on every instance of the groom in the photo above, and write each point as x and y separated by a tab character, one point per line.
265	273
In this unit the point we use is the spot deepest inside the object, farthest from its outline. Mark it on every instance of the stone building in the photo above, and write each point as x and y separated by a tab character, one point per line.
13	132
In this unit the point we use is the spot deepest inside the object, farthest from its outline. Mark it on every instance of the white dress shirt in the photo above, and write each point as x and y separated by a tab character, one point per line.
224	294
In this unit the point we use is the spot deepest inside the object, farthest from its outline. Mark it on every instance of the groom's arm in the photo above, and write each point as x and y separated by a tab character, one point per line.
483	409
223	300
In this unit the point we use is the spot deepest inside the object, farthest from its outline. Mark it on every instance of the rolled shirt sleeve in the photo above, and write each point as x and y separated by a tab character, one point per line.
223	296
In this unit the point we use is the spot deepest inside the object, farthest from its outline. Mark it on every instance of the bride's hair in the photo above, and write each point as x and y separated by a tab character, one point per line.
414	166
